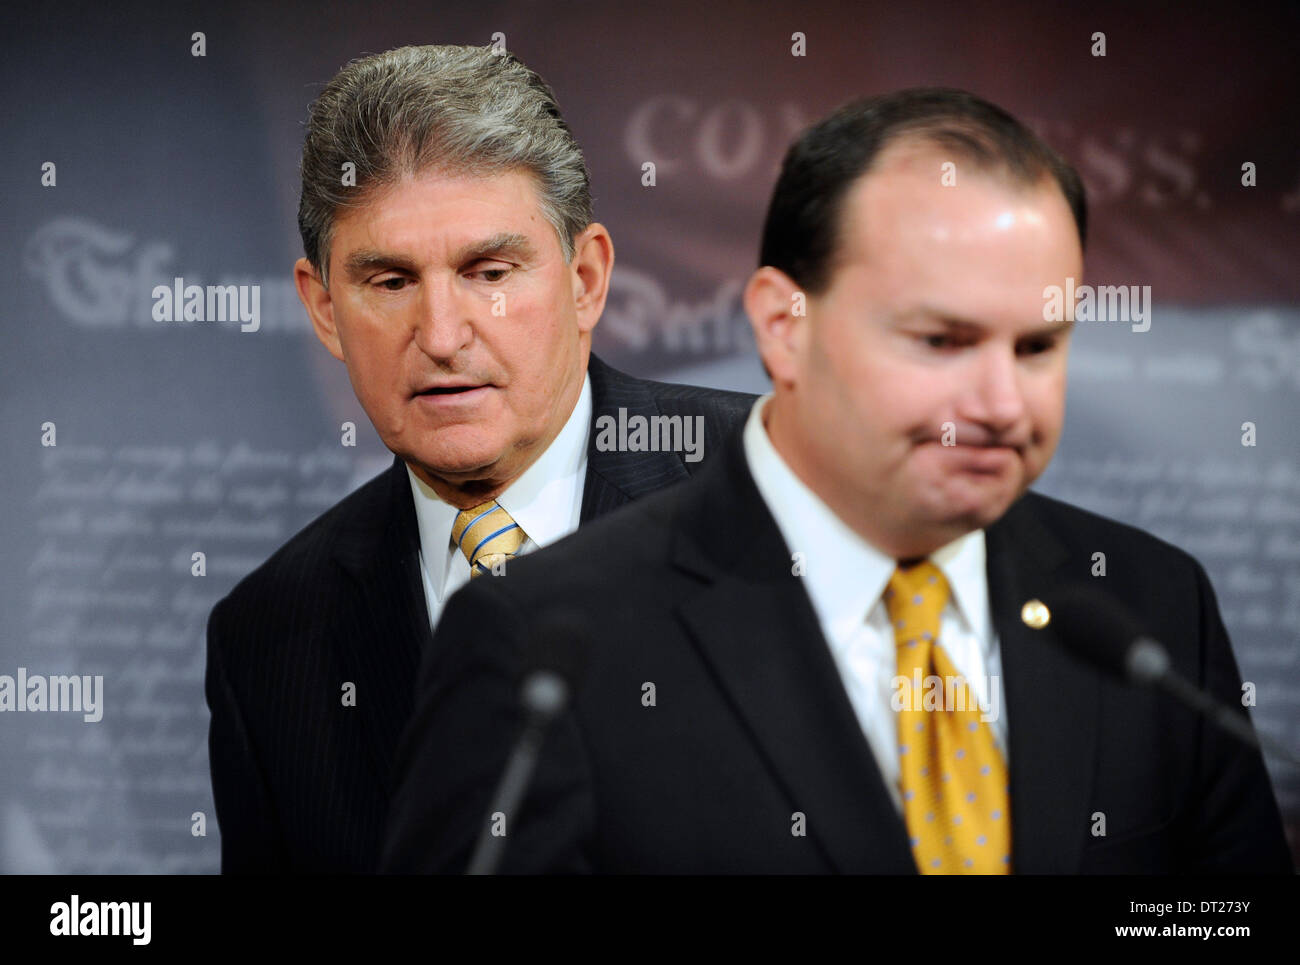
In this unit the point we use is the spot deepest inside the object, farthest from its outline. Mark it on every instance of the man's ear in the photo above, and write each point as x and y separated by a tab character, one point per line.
593	262
778	313
316	299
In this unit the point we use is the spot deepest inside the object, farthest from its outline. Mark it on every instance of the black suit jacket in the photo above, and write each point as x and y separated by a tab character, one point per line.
692	591
302	783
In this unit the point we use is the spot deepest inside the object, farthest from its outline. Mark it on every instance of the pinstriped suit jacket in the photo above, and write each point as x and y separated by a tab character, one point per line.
302	783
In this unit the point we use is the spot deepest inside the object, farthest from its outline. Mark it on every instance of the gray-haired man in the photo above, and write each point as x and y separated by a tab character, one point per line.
452	264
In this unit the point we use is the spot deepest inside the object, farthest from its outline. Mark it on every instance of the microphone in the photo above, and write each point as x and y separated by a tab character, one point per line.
553	668
1101	631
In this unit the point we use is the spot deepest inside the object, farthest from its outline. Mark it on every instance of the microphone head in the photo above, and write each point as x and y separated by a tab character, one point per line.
1147	661
1101	631
545	693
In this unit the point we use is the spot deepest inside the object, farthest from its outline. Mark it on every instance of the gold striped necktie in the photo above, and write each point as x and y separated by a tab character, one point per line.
952	776
487	536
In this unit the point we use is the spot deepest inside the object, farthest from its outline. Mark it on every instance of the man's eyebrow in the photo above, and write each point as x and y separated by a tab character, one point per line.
504	242
941	316
965	326
366	260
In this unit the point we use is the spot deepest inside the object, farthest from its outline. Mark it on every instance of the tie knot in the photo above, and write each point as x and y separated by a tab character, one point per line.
917	595
486	535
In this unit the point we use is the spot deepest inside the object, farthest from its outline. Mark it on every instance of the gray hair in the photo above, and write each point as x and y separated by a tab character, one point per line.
456	110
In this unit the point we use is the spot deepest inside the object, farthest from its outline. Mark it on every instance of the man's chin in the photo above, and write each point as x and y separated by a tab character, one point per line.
455	466
971	510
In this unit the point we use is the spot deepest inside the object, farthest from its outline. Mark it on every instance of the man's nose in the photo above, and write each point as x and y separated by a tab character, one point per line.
443	324
996	397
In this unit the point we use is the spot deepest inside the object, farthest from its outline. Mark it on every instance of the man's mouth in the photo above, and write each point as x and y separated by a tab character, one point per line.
983	458
448	389
462	397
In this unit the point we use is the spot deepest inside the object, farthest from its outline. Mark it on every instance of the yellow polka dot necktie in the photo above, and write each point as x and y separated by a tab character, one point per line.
487	536
952	776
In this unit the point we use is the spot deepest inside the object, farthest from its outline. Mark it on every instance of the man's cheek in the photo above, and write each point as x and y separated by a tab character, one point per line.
524	403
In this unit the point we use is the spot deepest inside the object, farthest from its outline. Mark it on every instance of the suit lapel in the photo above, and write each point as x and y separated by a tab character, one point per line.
614	478
1051	702
755	625
382	634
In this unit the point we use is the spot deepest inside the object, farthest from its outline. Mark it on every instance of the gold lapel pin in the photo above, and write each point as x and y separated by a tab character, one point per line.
1035	614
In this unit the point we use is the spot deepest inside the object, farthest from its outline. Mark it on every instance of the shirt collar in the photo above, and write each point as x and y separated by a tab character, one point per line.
844	574
546	500
962	563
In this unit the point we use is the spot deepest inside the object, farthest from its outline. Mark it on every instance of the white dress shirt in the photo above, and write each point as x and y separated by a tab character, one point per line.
846	577
546	502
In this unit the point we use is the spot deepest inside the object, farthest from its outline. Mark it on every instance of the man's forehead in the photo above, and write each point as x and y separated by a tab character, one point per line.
514	190
909	186
505	212
926	173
